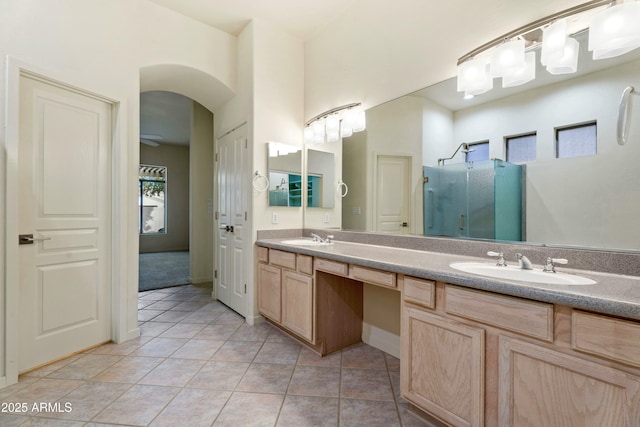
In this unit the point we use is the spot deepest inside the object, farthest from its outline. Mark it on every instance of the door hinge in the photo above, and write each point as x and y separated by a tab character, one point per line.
216	157
216	215
215	274
245	288
246	143
245	215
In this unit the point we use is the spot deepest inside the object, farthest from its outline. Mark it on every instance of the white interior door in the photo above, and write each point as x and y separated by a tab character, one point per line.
232	262
65	203
393	194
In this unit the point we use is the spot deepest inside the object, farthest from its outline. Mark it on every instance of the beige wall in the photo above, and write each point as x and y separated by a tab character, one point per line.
176	159
201	192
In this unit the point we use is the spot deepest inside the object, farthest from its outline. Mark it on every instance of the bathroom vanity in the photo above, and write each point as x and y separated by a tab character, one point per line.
475	350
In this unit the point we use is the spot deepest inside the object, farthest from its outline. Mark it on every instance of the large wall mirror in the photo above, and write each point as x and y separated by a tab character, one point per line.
581	200
285	175
320	179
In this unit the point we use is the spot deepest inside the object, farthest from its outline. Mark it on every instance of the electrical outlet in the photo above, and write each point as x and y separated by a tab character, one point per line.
356	211
274	218
326	218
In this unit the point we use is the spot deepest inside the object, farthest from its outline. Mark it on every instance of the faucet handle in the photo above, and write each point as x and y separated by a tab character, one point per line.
329	238
500	262
550	265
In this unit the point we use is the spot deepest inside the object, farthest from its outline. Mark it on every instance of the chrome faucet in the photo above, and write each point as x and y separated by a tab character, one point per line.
550	265
500	262
319	239
524	262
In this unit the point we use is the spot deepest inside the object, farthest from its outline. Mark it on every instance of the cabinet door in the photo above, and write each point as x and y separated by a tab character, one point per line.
442	367
543	387
269	291
297	304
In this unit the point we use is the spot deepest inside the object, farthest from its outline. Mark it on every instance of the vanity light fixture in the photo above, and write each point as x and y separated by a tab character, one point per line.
339	122
613	30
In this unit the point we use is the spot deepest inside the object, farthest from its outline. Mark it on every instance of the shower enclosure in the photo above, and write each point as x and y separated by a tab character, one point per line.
481	199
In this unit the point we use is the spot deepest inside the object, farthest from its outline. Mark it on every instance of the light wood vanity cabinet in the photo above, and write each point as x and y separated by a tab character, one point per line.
286	291
478	358
442	367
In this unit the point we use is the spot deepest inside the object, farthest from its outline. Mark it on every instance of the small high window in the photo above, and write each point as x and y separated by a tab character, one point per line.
152	200
577	140
478	151
521	148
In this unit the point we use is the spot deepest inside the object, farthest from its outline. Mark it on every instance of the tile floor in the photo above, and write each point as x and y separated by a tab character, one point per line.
197	363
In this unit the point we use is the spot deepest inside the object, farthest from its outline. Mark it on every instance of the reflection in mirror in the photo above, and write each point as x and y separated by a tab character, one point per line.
590	198
320	179
285	175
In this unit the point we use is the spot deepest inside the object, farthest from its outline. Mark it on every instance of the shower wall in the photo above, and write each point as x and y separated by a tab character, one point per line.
480	199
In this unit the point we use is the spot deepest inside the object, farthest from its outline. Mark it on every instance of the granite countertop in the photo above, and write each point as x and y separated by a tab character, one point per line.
612	294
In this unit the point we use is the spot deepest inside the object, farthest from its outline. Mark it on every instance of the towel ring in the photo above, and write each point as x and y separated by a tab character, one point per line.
342	189
624	111
256	180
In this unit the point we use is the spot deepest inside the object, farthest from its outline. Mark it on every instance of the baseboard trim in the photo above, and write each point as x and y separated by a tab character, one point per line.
381	339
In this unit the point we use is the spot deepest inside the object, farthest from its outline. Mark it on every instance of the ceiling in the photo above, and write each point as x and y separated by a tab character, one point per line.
297	17
168	114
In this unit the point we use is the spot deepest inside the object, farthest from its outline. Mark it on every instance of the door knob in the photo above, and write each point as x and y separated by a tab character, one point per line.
28	239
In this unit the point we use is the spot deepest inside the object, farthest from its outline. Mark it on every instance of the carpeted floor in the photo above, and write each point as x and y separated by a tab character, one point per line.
163	269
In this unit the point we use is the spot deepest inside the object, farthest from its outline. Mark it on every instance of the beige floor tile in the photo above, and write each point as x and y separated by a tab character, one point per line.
145	315
219	375
393	363
263	413
138	406
160	347
230	318
44	390
204	317
283	353
309	358
216	332
367	413
122	349
88	400
266	378
162	305
193	408
86	367
315	381
198	349
190	305
238	351
52	367
173	372
362	356
258	332
171	316
128	370
153	329
183	330
9	420
365	384
308	411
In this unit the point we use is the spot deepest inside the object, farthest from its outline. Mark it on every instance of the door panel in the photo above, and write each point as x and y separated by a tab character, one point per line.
232	207
393	200
65	202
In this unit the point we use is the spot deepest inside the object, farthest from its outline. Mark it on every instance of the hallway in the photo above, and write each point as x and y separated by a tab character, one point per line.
198	364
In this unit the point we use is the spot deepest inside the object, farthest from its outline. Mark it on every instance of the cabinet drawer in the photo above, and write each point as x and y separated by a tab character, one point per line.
305	264
282	258
526	317
335	267
418	291
605	336
263	254
371	275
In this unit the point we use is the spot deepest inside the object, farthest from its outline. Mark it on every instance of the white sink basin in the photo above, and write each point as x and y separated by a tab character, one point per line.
515	273
304	242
